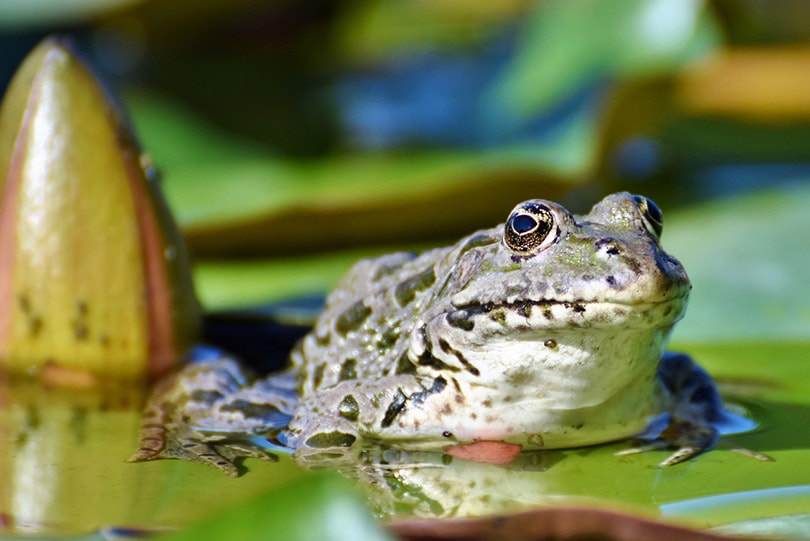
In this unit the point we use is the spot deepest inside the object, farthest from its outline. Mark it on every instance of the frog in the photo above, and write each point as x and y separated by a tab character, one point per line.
547	331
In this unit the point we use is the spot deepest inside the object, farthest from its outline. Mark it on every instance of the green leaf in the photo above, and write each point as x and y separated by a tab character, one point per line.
747	258
322	507
568	44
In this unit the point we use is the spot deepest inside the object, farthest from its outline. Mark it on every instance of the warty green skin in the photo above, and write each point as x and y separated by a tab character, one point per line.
557	346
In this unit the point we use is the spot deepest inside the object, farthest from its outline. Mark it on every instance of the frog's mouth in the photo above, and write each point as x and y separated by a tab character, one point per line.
549	313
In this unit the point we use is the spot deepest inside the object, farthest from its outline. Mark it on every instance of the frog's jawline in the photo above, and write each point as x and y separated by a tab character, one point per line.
577	306
547	314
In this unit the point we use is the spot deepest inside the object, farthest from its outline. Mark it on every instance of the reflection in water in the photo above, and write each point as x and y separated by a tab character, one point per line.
54	442
432	484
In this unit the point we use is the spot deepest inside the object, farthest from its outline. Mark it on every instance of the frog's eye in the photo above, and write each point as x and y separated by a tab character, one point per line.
529	229
653	218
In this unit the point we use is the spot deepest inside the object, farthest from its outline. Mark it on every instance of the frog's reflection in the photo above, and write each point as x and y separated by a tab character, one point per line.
433	484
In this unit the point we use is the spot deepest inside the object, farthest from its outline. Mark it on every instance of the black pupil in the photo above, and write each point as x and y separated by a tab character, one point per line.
523	223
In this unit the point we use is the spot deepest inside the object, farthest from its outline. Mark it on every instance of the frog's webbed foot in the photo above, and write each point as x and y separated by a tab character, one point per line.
694	414
686	437
207	413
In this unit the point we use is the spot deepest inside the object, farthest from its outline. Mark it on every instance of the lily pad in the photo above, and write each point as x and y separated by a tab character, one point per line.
233	198
747	258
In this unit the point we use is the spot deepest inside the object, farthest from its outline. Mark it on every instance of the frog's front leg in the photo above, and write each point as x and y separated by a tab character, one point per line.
333	423
694	410
209	412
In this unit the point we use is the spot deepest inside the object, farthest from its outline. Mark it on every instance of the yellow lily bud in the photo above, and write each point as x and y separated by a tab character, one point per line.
94	277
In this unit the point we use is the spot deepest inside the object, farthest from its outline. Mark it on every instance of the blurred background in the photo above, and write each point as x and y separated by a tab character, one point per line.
294	136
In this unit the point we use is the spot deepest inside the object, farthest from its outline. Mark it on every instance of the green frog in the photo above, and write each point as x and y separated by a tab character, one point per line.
544	332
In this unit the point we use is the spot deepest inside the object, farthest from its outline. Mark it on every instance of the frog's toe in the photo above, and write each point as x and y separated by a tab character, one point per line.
682	454
235	451
192	450
686	437
205	453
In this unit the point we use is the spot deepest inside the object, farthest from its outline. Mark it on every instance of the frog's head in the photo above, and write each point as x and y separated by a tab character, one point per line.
551	269
563	317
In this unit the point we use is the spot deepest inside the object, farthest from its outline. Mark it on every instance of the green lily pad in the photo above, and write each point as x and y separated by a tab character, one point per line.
232	198
320	507
747	258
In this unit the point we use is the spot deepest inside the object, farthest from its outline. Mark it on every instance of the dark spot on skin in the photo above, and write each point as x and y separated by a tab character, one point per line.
586	278
446	410
438	386
317	375
323	339
24	303
348	408
331	439
459	399
81	308
389	338
447	348
251	409
611	280
396	407
404	365
610	246
547	313
551	344
524	310
206	397
487	403
578	308
447	434
406	291
399	402
104	340
579	426
498	317
460	319
352	318
348	370
427	359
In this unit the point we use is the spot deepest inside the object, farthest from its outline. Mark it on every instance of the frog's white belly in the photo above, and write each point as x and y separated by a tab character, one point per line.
543	401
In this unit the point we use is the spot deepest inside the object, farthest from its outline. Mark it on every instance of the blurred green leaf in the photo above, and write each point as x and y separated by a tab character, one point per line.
231	197
368	31
567	45
747	258
18	14
321	507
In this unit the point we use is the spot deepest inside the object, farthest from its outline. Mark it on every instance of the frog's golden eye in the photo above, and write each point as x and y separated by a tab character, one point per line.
653	218
529	229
